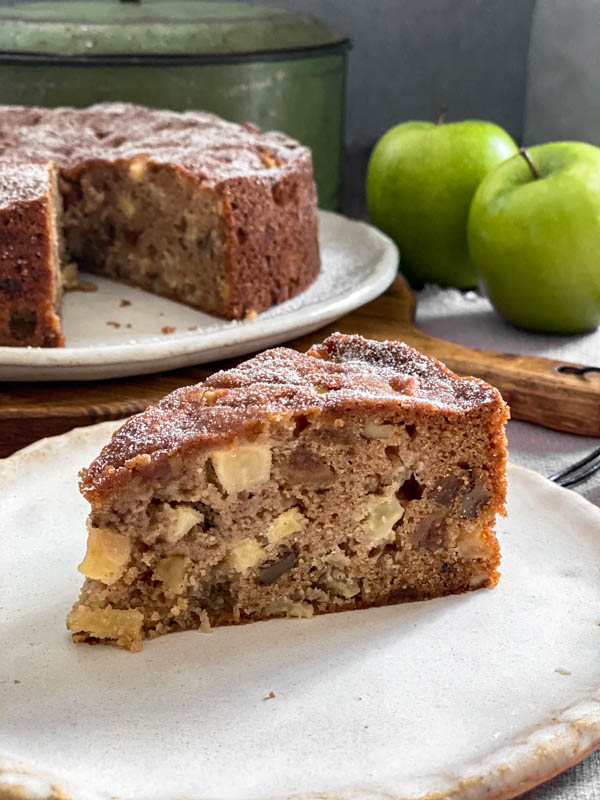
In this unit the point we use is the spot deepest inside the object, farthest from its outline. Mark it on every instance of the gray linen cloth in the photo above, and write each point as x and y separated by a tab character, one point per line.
467	318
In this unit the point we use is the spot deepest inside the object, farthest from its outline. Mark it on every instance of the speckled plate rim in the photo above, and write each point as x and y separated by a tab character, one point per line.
222	342
550	747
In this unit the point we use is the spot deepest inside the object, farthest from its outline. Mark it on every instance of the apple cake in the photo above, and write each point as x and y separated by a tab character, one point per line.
217	215
361	473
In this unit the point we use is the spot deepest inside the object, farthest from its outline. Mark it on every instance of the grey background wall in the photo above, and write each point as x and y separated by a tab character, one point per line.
410	57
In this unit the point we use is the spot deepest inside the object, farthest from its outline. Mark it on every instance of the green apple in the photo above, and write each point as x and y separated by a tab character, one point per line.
421	179
534	236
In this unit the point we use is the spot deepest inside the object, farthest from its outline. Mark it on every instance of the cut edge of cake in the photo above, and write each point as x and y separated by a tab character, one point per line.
359	474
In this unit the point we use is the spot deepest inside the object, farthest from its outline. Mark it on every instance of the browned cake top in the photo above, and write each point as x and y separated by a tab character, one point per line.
339	376
201	143
23	182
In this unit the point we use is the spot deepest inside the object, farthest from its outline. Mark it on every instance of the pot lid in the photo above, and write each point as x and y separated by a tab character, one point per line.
157	28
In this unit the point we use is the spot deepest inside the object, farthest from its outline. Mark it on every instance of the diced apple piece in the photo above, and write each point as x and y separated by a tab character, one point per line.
122	625
344	587
182	519
337	558
242	468
290	608
137	169
381	519
107	555
246	554
374	431
479	578
470	544
171	572
291	521
126	205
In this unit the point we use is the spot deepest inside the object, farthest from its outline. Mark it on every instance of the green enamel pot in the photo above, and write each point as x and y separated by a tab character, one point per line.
282	70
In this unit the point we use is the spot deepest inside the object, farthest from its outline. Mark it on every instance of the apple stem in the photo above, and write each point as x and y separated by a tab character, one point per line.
441	115
530	164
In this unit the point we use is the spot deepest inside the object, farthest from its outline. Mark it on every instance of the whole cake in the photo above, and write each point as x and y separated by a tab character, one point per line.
219	216
359	474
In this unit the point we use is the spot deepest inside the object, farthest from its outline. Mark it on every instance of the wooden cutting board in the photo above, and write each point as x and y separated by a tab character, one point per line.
565	397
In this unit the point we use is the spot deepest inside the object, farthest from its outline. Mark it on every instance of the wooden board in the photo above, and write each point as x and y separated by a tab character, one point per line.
535	388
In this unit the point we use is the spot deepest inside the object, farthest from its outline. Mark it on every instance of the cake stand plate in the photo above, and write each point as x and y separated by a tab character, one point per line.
119	330
477	696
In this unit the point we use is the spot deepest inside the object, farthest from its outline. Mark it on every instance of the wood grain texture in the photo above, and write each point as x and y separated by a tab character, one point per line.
534	389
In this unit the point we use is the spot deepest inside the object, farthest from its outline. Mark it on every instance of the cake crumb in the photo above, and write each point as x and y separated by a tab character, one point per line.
83	286
125	303
87	286
114	324
195	328
270	696
166	329
128	325
71	282
16	681
562	671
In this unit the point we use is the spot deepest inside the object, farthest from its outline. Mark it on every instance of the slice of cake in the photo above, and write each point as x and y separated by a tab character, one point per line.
217	215
30	244
359	474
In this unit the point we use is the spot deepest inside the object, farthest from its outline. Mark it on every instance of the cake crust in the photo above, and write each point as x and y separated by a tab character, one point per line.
337	375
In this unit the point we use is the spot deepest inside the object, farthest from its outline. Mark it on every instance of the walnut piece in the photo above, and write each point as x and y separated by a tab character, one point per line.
245	555
304	466
374	431
242	468
381	519
291	521
270	574
171	572
106	556
446	489
431	531
122	625
477	497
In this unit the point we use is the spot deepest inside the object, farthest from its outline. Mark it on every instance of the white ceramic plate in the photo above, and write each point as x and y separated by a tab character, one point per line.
477	696
358	263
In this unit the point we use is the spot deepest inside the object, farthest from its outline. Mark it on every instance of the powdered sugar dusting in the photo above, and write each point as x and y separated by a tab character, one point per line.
210	148
21	183
342	375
